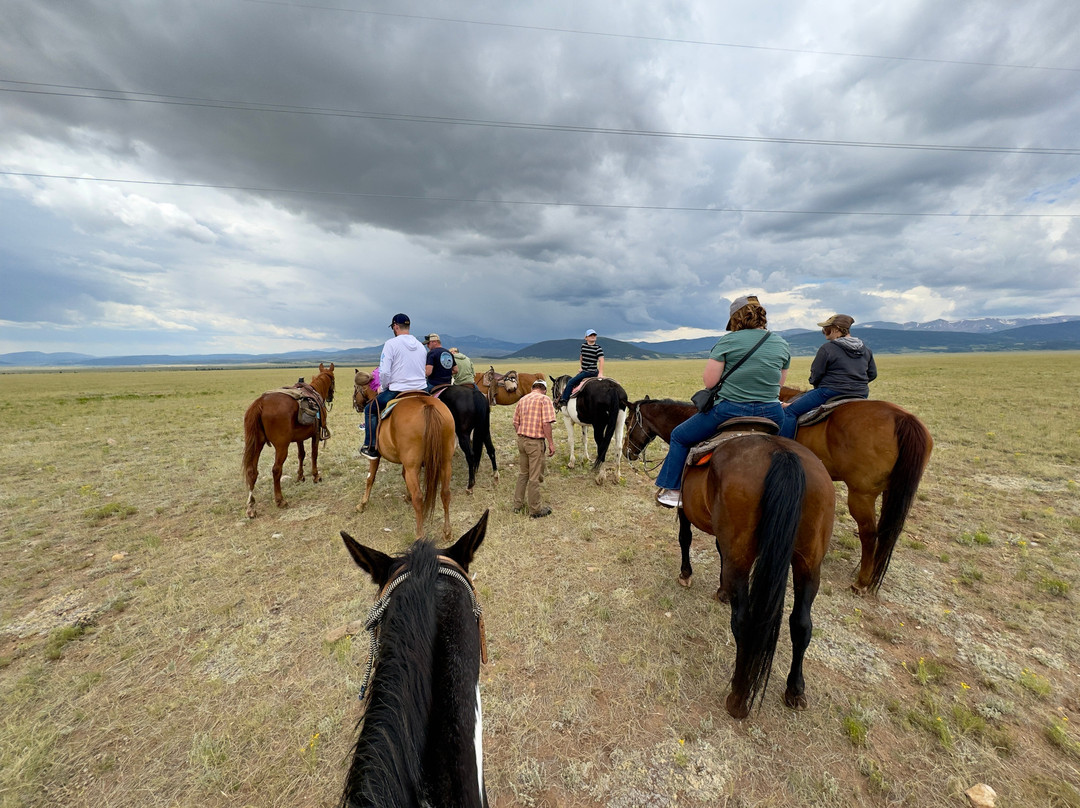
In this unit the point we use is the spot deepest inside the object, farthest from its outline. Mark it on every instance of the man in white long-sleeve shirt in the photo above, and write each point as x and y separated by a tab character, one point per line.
401	370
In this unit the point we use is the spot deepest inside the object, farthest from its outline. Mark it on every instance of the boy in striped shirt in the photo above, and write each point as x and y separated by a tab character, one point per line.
592	364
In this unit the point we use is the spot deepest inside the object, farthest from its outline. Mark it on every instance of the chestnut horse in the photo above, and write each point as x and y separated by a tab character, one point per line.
873	447
524	387
274	418
419	434
770	504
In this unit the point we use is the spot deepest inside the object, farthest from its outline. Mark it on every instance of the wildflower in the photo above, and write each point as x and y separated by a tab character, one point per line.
965	686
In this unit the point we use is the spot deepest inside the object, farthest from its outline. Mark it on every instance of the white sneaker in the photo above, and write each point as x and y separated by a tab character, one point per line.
669	498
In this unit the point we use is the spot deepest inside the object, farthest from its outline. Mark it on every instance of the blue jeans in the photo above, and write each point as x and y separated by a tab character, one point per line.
802	405
574	382
703	426
371	416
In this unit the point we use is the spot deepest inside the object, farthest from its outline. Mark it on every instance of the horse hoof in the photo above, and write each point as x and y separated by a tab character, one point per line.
686	581
251	512
858	589
468	491
795	701
360	507
496	478
722	596
316	479
570	465
281	503
737	708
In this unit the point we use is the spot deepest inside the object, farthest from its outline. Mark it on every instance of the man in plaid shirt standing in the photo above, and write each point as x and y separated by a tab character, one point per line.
533	417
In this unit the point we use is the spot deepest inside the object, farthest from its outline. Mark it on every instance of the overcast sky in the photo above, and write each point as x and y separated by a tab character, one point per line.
251	176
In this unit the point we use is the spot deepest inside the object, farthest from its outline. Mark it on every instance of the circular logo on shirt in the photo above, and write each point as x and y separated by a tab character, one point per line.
447	360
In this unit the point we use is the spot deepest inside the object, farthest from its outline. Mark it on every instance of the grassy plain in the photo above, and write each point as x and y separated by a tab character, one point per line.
157	648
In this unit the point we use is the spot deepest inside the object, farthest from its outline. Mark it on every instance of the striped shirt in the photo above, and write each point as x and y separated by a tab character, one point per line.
531	413
590	355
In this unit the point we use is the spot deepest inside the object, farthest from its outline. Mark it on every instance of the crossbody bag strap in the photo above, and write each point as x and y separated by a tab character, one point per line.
716	387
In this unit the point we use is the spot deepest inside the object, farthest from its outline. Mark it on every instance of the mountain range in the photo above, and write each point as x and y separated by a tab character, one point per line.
938	336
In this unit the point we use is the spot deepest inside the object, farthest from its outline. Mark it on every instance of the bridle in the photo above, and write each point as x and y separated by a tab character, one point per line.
636	417
447	567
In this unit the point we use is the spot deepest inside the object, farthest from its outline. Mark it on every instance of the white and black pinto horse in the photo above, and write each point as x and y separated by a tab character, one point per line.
601	404
421	736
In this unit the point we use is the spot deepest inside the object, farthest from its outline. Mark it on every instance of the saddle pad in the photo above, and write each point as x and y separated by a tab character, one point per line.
701	453
819	414
399	397
585	381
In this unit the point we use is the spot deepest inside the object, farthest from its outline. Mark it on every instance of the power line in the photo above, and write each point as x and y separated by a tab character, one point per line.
668	40
534	203
110	94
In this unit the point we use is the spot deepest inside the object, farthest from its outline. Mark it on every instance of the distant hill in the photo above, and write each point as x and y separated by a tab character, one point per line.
1056	336
570	350
982	325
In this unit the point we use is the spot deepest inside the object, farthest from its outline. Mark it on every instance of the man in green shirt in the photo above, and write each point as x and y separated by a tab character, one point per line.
463	372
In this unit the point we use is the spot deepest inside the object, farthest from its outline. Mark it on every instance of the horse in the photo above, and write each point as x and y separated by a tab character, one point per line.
501	394
274	418
601	404
770	504
421	735
418	435
472	421
875	448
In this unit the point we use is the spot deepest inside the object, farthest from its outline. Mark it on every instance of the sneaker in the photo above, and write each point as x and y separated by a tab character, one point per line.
669	498
540	514
369	453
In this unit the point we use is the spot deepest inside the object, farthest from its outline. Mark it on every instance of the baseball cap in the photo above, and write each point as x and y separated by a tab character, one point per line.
839	320
431	338
740	303
590	333
540	383
399	319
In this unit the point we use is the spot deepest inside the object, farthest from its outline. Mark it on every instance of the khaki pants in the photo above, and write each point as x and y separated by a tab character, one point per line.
532	455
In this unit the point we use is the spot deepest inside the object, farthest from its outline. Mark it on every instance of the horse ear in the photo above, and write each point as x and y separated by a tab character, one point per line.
465	548
331	367
373	562
646	397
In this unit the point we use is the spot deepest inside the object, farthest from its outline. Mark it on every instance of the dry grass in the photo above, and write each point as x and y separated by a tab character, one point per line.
158	648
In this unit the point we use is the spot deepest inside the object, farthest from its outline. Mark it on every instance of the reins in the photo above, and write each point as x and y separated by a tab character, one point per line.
447	567
645	464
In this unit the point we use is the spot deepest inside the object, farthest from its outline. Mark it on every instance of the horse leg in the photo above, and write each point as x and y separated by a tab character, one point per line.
315	459
802	625
738	700
281	453
686	537
861	506
472	459
447	472
723	592
489	447
251	474
414	495
301	454
373	466
570	435
585	441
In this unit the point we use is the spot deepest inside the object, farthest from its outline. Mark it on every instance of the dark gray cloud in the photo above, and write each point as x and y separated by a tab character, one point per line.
320	169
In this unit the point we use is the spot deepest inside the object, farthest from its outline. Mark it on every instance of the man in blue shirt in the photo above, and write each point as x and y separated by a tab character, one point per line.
439	366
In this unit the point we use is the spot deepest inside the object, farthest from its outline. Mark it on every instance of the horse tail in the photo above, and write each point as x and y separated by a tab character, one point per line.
608	412
781	512
434	459
254	440
913	445
388	760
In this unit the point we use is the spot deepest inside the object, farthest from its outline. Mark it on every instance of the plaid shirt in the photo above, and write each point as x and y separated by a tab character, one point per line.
531	413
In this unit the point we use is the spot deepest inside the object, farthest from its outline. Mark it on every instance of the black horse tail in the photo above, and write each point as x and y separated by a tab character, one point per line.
483	429
254	440
388	759
781	512
913	445
605	416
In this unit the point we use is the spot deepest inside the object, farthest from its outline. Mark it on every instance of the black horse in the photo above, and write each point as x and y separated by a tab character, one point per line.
421	736
472	422
601	404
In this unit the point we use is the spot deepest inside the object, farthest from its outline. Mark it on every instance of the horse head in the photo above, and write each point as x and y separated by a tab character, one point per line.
327	371
638	433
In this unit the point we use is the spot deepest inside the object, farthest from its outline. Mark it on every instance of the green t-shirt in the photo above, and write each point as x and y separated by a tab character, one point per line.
758	378
464	372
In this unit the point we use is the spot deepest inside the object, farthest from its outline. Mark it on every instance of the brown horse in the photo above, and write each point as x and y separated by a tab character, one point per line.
524	387
274	418
873	447
770	504
419	434
877	449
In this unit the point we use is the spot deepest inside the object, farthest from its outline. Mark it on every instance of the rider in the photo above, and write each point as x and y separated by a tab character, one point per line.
591	363
401	369
463	368
844	366
439	367
753	389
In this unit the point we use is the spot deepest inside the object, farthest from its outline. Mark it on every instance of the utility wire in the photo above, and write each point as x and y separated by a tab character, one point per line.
669	40
110	94
534	203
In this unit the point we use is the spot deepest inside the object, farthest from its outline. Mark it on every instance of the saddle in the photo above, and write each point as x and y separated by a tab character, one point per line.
507	381
702	452
399	397
819	414
585	381
311	404
438	389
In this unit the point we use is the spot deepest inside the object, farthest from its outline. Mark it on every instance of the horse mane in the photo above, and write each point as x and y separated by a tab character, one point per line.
388	759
